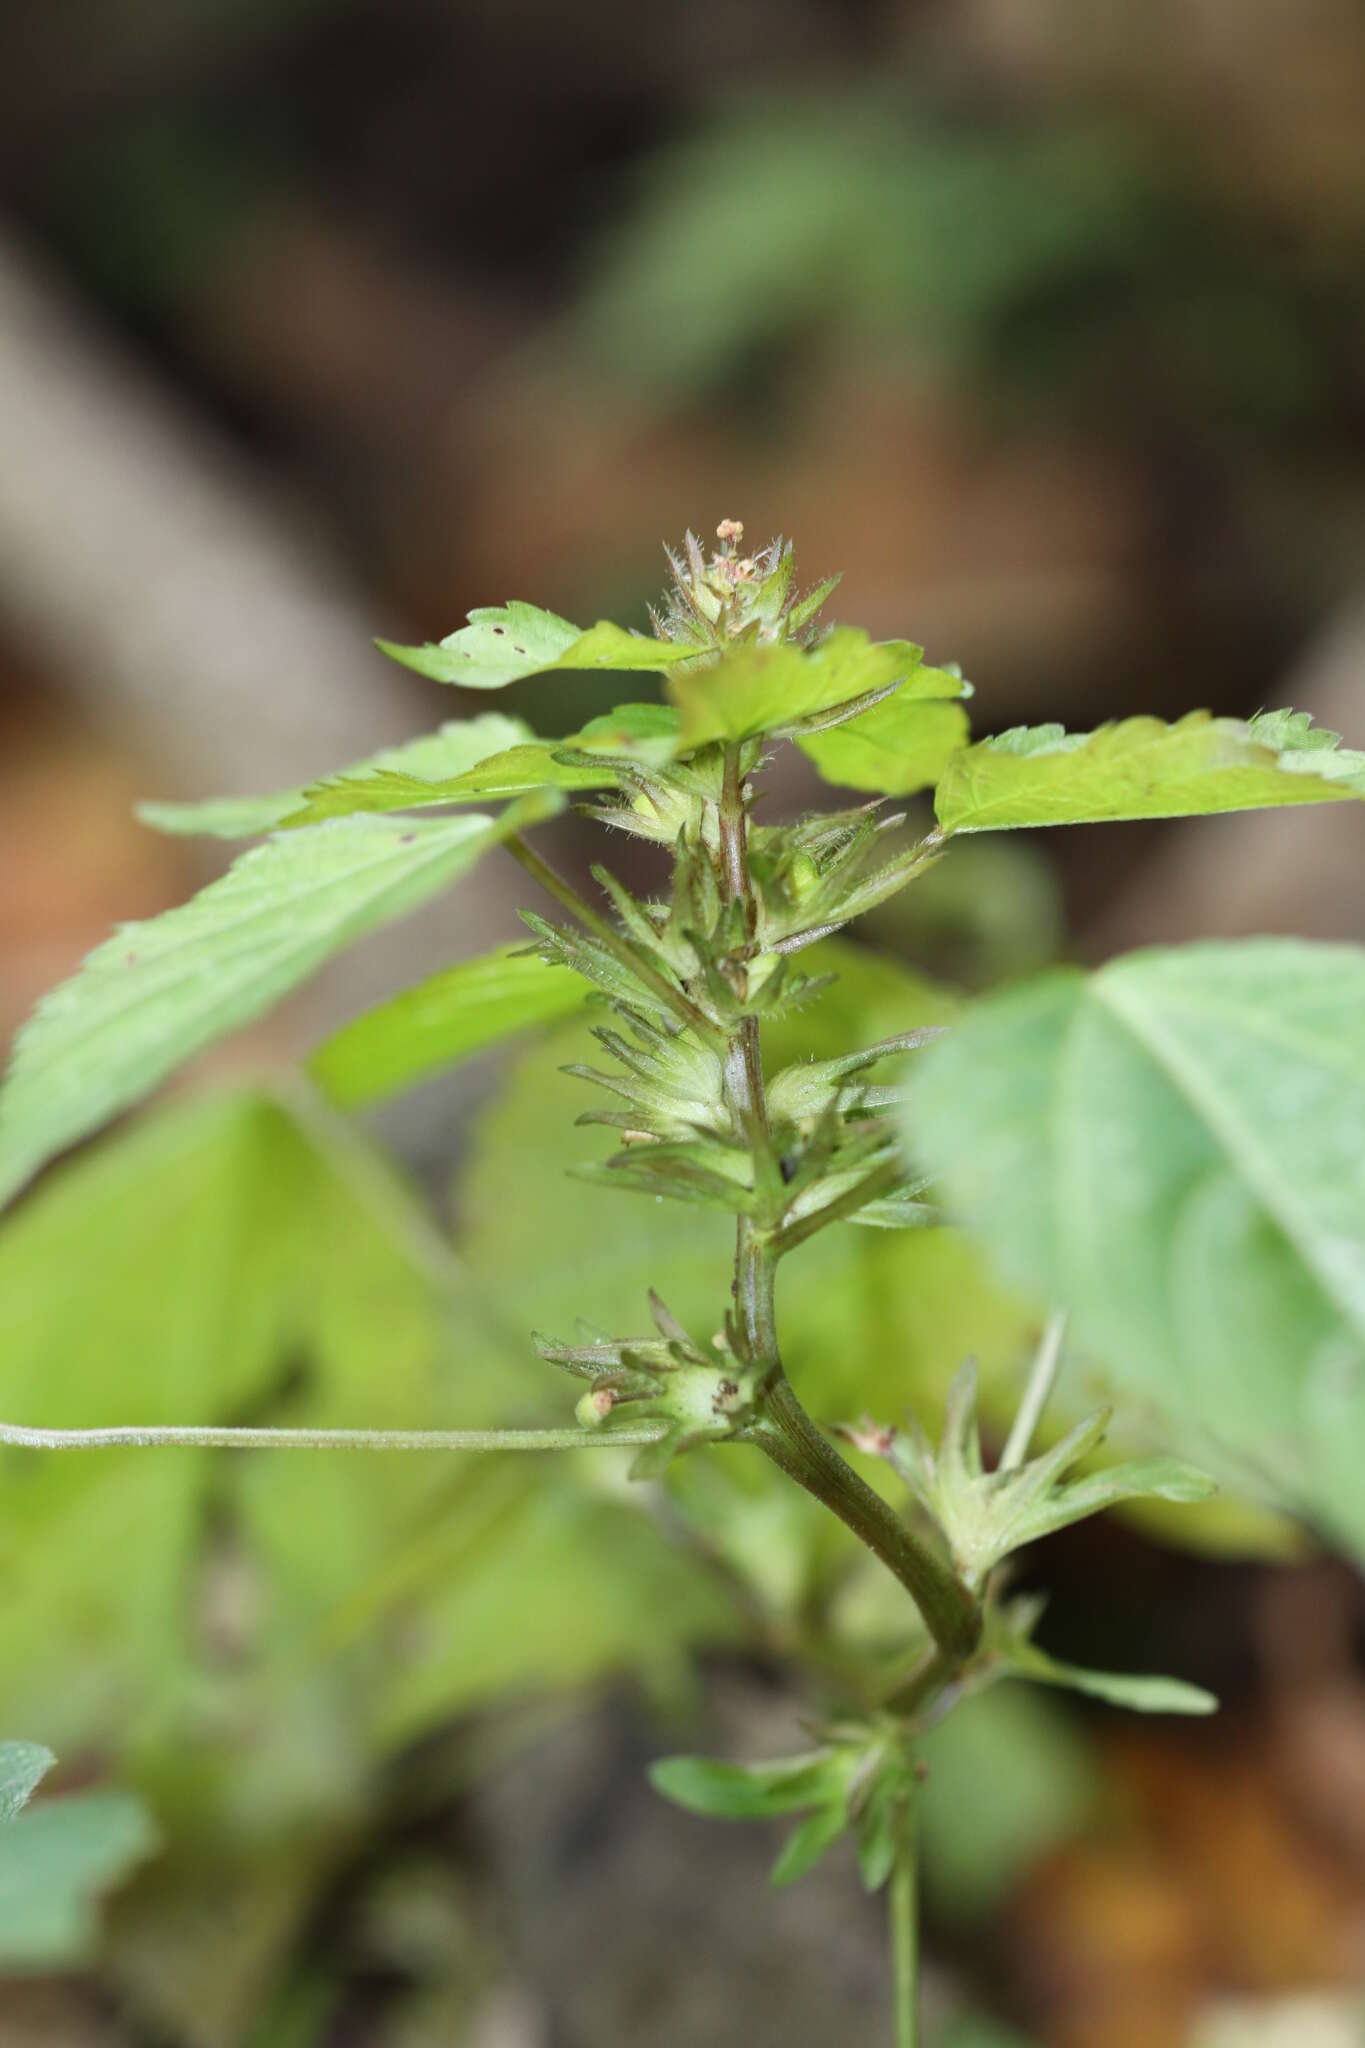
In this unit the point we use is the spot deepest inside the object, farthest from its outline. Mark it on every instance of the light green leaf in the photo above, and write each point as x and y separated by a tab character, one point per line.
156	993
394	779
503	643
56	1859
645	733
808	1842
23	1766
441	1021
897	747
758	689
1139	1693
747	1791
1140	1479
1174	1148
1143	768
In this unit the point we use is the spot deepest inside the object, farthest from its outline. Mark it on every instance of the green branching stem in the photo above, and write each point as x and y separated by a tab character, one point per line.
881	1180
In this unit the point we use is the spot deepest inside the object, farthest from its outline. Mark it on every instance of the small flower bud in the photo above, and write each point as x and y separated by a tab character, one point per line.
731	529
595	1407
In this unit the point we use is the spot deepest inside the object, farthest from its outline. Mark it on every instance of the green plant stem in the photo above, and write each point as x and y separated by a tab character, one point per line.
620	949
903	1899
951	1613
1042	1376
214	1436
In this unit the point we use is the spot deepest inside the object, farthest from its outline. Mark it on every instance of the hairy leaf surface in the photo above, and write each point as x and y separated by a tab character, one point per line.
756	689
156	993
1143	768
503	643
898	747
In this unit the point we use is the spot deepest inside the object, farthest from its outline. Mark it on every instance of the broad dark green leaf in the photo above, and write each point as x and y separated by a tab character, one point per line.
394	779
441	1021
758	689
56	1859
156	993
1174	1149
1143	768
898	746
503	643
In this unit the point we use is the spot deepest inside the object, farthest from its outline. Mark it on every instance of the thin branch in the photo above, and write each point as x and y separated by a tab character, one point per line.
882	1180
214	1436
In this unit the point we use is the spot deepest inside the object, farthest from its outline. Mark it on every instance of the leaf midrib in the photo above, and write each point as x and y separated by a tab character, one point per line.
1233	1134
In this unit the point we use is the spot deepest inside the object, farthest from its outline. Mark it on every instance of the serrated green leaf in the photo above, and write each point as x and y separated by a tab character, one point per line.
747	1791
806	1844
157	993
757	689
23	1766
1141	1694
1172	1147
643	733
899	746
396	778
55	1861
503	643
453	1014
1143	768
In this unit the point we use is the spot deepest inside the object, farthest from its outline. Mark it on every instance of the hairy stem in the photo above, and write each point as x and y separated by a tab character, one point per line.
904	1913
215	1436
788	1435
